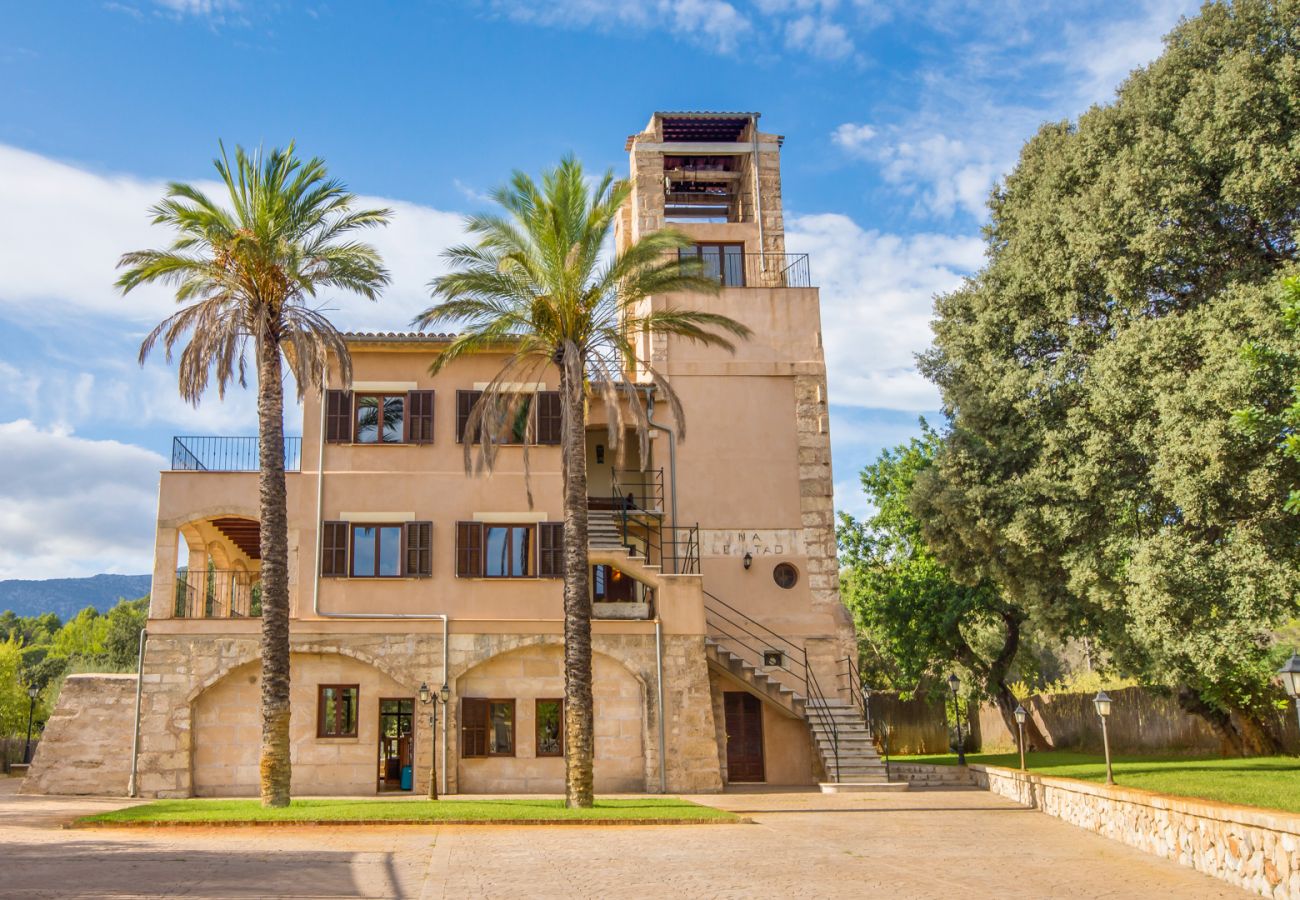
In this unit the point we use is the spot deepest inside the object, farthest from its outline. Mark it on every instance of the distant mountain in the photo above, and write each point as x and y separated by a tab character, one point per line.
69	596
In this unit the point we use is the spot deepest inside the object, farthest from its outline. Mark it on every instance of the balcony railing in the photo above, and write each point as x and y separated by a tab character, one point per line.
217	594
228	454
766	270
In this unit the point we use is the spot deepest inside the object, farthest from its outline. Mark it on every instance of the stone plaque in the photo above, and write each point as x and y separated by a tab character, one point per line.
755	541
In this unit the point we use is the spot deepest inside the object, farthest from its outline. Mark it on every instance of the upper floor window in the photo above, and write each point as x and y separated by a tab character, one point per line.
378	417
507	551
491	550
511	418
723	262
364	550
376	551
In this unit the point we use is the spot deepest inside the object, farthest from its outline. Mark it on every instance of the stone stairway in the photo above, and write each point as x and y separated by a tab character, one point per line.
859	763
605	545
756	678
603	530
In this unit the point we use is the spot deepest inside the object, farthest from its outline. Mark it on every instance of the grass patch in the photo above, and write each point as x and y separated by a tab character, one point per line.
216	812
1270	782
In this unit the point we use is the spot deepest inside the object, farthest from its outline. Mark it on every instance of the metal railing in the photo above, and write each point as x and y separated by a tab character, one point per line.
861	695
217	594
817	705
639	490
675	549
765	270
200	453
752	641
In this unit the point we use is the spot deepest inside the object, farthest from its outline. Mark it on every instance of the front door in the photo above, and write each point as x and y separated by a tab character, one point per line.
744	719
396	718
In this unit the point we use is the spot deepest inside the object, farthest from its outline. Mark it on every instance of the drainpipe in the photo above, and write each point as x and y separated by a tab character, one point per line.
672	464
135	736
659	661
758	184
315	590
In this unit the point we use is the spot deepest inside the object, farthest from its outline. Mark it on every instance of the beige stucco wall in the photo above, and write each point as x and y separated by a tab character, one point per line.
788	757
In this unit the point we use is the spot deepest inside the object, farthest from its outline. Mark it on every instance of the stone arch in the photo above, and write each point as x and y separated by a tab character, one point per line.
249	652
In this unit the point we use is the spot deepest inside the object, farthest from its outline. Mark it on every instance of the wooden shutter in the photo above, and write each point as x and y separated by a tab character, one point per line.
549	421
465	401
334	549
419	417
419	549
550	549
469	549
338	417
473	727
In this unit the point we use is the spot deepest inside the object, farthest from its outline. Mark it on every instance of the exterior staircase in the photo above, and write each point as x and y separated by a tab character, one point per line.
756	678
603	531
847	749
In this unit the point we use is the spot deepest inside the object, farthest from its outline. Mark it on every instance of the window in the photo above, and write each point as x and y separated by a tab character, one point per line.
380	419
489	550
785	575
609	585
336	710
723	262
487	727
507	551
550	727
376	551
510	417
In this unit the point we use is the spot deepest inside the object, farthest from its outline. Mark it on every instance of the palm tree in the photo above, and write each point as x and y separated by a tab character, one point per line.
538	287
249	273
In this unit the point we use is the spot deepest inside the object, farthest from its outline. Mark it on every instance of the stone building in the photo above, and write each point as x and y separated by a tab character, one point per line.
720	643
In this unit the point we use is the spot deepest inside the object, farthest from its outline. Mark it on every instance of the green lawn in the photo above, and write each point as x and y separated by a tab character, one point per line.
539	810
1272	782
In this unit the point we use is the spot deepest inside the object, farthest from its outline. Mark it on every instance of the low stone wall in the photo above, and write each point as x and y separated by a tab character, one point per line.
1255	849
86	746
922	775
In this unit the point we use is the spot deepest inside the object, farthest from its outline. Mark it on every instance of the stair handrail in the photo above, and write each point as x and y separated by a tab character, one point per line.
862	697
742	622
817	701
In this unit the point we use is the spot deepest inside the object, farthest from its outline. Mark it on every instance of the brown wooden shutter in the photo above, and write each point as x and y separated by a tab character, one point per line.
419	549
549	421
338	417
469	549
473	727
334	549
419	417
550	549
465	401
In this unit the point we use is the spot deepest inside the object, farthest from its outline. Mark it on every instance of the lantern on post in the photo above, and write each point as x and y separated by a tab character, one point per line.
1102	702
1290	675
1021	715
428	698
953	684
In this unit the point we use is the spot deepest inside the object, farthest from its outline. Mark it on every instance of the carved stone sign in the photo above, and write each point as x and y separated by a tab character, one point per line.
755	541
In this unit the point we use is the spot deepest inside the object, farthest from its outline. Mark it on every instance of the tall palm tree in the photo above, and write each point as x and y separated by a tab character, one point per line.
249	273
540	286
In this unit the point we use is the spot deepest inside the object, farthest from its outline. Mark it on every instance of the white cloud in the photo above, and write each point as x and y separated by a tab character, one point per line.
820	37
198	7
713	23
855	139
877	295
71	507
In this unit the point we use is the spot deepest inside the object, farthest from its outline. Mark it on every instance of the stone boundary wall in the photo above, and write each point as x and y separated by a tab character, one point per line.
1255	849
86	747
924	775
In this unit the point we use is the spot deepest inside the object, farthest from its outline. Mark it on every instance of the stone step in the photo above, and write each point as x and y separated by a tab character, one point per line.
870	787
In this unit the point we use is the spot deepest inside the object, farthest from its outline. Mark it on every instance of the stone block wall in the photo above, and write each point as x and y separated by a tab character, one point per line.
1255	849
86	747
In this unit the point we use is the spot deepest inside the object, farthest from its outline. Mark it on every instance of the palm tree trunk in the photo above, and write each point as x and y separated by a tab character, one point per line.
274	536
579	746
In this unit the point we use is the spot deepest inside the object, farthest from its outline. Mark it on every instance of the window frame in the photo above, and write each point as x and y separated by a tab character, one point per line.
401	548
404	396
320	711
537	726
486	727
531	563
696	251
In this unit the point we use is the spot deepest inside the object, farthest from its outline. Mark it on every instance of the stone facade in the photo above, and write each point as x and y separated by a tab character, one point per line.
1255	849
86	748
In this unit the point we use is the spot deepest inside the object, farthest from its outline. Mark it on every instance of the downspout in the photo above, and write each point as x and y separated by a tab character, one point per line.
672	465
135	735
758	185
315	591
659	661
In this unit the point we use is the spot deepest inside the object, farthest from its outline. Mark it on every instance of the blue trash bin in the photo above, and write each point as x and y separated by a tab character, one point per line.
406	778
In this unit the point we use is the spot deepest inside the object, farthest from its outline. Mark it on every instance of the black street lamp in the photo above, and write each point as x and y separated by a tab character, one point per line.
1102	702
954	682
427	697
1290	674
32	693
1021	715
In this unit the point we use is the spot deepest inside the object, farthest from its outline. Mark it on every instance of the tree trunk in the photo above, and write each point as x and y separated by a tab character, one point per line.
579	746
996	684
274	537
1218	719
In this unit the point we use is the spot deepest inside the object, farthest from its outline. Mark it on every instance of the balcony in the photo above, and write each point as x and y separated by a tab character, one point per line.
733	268
217	594
228	454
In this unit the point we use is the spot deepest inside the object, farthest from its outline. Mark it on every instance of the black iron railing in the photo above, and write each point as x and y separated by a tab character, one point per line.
198	453
675	549
755	270
755	643
640	490
816	705
861	693
217	594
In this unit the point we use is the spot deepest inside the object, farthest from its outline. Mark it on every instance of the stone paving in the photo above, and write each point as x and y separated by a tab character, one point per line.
952	843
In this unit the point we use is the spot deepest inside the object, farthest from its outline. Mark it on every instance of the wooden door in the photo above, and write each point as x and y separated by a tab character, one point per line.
744	720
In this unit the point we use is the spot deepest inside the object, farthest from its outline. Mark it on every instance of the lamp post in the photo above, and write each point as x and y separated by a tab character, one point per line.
1020	715
1290	674
427	698
953	683
1102	702
32	693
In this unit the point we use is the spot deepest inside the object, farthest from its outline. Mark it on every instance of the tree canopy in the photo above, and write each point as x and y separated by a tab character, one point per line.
1093	469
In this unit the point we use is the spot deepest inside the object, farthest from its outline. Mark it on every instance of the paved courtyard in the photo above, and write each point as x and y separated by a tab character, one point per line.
932	843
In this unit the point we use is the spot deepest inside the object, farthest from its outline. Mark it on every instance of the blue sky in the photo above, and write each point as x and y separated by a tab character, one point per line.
898	118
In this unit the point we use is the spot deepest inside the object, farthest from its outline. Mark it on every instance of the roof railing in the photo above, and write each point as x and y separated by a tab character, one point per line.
200	453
